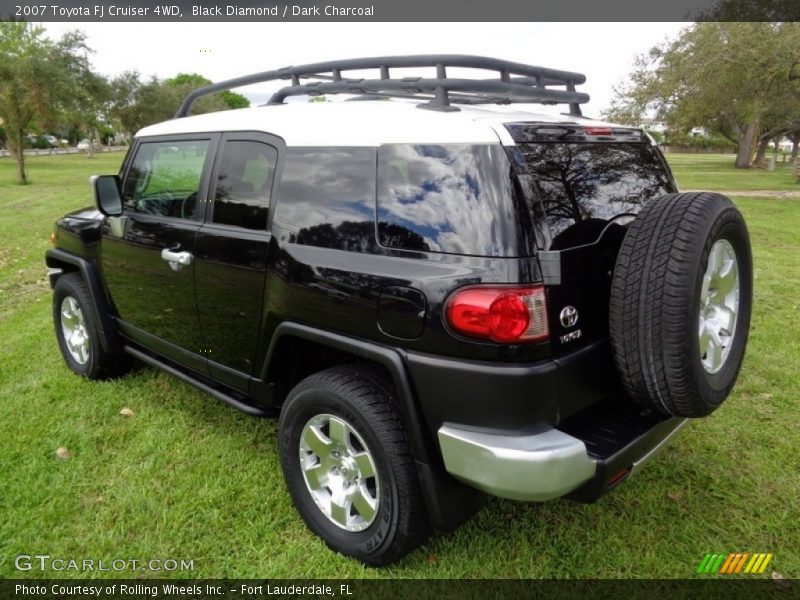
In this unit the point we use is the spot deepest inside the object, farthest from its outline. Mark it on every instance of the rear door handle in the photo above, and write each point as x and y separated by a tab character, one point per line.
177	260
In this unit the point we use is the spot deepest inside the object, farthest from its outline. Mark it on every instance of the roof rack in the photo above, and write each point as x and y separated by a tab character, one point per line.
512	82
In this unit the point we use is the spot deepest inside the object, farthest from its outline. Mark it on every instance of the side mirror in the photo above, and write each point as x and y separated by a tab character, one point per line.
107	197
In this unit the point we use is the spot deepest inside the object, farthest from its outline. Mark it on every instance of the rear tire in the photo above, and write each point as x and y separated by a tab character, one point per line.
680	303
348	467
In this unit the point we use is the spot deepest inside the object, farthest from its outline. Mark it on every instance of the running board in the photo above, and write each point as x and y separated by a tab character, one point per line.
249	409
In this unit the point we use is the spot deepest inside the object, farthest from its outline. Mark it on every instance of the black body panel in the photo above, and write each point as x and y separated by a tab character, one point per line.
230	273
521	399
62	260
146	291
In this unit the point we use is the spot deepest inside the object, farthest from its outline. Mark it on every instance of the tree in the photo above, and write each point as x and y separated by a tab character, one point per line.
37	81
234	100
89	105
732	78
123	107
751	10
135	104
794	137
187	82
781	118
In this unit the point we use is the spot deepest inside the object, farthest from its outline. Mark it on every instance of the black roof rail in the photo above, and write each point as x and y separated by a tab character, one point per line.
512	82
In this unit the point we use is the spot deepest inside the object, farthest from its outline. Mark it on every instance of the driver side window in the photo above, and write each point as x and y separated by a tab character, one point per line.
164	179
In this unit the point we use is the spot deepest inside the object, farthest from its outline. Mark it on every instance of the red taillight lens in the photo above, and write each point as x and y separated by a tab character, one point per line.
618	477
598	130
500	314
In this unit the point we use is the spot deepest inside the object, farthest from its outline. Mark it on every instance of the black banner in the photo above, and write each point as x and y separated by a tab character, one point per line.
437	589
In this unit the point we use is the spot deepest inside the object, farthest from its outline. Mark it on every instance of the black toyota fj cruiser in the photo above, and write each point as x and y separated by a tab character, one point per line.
441	295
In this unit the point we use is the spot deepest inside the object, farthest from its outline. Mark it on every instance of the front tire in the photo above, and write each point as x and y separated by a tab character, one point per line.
78	335
348	467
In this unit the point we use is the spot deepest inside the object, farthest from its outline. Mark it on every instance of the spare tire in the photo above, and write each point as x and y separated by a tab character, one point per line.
680	304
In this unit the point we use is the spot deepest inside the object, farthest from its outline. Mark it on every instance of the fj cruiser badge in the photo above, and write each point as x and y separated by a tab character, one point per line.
568	317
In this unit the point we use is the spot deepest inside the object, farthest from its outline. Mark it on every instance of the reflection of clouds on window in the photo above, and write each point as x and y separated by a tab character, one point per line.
451	198
327	197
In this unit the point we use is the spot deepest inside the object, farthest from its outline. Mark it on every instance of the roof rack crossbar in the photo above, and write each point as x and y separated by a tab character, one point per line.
434	86
455	98
514	82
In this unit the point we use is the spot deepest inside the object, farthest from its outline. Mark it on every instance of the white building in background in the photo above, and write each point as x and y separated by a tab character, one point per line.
784	145
651	124
657	125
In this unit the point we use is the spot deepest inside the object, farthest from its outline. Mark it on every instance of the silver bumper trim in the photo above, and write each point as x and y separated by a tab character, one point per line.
656	449
531	467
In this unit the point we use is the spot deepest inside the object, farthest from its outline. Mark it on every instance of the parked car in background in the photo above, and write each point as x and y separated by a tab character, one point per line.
83	145
39	142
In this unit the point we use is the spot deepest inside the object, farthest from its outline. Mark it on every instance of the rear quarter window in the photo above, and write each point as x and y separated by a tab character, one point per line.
456	199
327	198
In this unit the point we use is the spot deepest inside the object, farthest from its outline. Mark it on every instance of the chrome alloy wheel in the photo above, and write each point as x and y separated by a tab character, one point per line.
73	328
719	306
339	472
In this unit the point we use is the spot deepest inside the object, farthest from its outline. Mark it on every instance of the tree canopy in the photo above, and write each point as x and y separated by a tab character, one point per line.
46	84
39	80
136	104
741	80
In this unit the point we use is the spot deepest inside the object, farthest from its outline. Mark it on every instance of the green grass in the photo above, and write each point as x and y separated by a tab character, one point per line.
716	172
187	477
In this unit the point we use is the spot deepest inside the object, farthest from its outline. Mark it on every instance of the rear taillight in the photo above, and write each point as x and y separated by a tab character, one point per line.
598	130
501	314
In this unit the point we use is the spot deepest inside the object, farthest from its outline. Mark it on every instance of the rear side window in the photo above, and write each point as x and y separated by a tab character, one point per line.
327	198
241	197
456	199
164	179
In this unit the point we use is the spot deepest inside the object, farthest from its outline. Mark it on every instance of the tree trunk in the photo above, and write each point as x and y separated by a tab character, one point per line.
746	143
795	145
762	152
16	145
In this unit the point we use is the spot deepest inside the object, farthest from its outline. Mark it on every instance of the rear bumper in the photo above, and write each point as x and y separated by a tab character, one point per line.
553	463
527	467
512	397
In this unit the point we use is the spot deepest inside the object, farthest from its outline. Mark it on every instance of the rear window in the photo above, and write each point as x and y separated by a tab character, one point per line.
456	199
582	185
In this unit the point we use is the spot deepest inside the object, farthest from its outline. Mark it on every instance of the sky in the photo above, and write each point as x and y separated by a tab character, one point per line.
604	52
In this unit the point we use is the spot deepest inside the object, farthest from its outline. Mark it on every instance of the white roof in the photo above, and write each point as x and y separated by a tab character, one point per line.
365	123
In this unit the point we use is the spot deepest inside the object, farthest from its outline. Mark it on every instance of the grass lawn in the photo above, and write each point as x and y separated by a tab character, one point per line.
716	172
187	477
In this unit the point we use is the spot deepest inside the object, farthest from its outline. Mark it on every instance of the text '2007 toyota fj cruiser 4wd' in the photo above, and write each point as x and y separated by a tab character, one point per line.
441	295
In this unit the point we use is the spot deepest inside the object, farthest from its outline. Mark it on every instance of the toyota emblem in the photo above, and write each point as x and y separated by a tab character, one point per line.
568	317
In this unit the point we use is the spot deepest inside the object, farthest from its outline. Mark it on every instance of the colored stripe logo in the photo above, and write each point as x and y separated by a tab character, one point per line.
734	563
